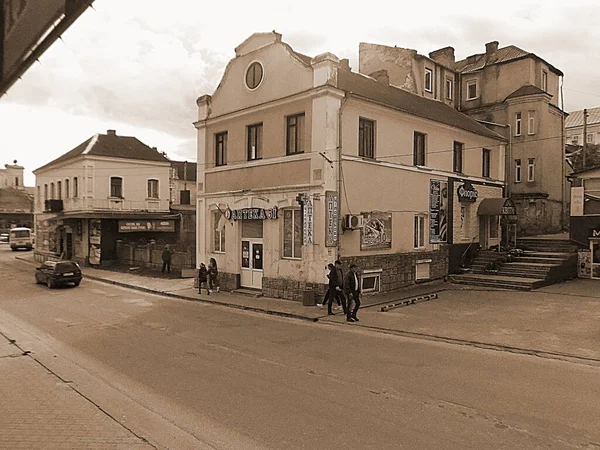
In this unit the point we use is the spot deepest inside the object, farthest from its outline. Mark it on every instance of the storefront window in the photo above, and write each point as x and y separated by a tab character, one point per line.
292	234
219	222
493	227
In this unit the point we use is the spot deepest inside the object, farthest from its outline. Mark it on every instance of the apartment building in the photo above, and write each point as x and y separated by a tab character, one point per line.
513	92
302	161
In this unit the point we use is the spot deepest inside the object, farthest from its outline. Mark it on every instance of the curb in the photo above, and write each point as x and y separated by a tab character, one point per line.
203	300
411	301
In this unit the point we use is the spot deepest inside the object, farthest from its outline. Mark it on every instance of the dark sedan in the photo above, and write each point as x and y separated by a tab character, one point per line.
56	273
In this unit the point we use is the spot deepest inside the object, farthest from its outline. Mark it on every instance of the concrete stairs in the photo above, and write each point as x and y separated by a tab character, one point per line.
544	261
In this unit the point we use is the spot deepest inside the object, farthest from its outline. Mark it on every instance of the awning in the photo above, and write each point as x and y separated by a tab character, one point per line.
496	207
116	215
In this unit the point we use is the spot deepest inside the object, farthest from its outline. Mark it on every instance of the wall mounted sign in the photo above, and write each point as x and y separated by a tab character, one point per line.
438	211
577	196
467	193
251	213
331	218
376	232
130	226
307	221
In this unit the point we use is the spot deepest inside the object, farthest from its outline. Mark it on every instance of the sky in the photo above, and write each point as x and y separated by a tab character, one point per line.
138	66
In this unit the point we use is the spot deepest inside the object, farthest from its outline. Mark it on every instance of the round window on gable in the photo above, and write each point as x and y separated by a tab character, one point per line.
254	75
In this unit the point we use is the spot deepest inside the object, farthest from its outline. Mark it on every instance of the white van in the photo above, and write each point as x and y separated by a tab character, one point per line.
21	237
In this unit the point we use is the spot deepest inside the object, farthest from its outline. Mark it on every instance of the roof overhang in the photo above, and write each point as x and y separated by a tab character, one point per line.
496	207
117	215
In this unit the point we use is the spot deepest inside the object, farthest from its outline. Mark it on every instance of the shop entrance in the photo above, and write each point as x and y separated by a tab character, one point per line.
251	272
595	248
252	264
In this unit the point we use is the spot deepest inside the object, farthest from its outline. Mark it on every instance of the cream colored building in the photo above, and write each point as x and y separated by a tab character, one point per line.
108	188
289	144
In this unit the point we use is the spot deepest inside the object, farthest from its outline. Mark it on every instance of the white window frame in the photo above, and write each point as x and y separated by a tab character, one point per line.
59	190
67	188
590	138
75	187
149	190
428	82
449	85
518	124
517	170
296	216
531	169
544	81
469	84
531	122
218	217
575	139
371	273
110	186
419	231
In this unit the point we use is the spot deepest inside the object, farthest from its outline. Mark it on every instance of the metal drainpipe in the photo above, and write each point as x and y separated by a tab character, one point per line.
563	214
339	155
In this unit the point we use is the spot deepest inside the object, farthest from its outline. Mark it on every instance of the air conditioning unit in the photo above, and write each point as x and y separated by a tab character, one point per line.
354	221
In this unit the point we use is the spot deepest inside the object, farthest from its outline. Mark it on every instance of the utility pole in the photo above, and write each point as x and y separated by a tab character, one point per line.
585	115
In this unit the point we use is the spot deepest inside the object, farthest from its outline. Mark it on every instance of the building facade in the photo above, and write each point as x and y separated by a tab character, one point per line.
107	191
574	127
16	200
512	91
302	161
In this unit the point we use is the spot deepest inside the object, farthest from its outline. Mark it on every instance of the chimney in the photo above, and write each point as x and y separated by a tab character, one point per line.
111	132
381	76
444	56
490	51
345	64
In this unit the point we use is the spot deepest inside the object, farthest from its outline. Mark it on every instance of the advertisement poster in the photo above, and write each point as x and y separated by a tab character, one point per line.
438	212
377	231
129	226
95	238
331	218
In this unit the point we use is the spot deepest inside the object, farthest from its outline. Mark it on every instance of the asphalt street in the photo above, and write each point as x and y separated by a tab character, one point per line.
172	373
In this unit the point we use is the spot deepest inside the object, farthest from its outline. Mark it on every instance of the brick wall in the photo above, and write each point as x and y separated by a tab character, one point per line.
398	271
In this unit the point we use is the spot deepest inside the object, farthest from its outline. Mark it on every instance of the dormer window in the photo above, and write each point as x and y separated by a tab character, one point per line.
471	89
254	75
428	80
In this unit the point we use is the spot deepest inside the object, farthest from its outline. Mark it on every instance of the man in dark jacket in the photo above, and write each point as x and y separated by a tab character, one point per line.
352	289
335	289
166	258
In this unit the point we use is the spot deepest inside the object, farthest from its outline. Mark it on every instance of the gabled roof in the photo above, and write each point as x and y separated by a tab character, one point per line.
528	89
185	173
575	118
407	102
113	146
13	200
505	54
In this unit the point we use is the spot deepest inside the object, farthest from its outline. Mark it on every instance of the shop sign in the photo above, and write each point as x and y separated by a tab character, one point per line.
508	211
331	218
131	226
438	212
251	213
376	232
577	196
467	193
307	221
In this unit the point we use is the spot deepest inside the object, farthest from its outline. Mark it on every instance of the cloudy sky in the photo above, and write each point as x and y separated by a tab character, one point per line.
137	66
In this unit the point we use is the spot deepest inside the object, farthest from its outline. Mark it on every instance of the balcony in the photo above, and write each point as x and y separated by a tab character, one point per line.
54	206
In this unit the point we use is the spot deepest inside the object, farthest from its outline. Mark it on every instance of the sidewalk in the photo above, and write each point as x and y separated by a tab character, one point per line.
183	288
40	410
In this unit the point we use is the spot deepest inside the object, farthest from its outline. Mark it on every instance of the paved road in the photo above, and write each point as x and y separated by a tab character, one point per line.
189	375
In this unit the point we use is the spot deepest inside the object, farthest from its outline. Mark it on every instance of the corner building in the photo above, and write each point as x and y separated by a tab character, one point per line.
302	161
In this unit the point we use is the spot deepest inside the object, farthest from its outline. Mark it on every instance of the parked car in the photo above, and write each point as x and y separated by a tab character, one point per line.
3	237
56	273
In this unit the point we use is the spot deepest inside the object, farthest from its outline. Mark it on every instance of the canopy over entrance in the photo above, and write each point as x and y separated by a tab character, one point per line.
497	207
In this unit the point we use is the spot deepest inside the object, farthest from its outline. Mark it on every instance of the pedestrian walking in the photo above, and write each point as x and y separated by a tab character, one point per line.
202	278
352	288
213	275
338	283
166	258
331	293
